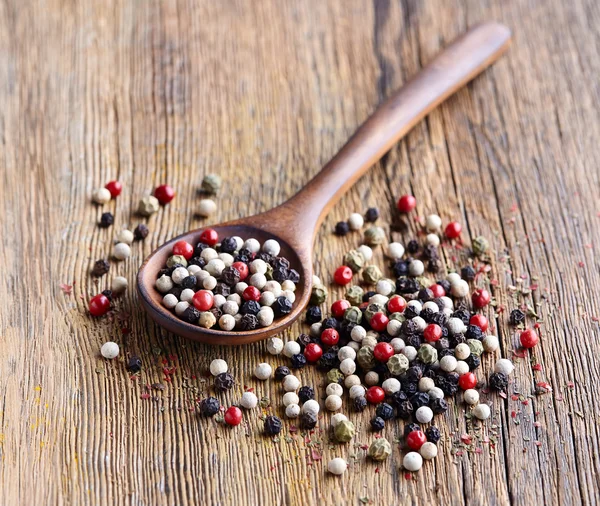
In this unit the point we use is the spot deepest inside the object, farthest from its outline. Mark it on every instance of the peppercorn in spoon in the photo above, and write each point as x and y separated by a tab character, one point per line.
294	223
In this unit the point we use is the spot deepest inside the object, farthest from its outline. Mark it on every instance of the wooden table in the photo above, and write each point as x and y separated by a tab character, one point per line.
264	93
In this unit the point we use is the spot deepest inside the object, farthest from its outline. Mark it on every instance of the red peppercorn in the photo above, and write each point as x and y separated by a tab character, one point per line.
183	248
251	293
330	337
203	300
313	352
437	290
406	203
480	321
233	416
432	333
338	308
99	305
115	188
209	236
416	439
242	268
375	395
396	304
164	193
467	381
453	230
342	275
379	322
383	351
481	298
528	338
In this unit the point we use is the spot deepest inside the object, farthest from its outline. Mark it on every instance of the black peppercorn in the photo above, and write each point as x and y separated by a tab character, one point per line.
406	285
280	274
282	306
106	220
439	406
101	267
473	361
434	265
216	312
467	273
457	339
440	319
222	289
474	332
272	425
498	381
308	421
250	307
230	275
377	424
442	344
409	388
445	284
419	399
176	290
199	261
108	294
432	433
189	282
404	410
372	215
293	275
430	252
306	393
248	322
209	406
140	232
427	314
328	361
396	398
414	373
413	246
298	361
462	314
368	295
329	323
385	411
224	381
516	317
411	427
134	364
281	372
200	247
313	315
400	268
190	315
342	228
244	256
228	245
444	352
360	403
425	294
303	340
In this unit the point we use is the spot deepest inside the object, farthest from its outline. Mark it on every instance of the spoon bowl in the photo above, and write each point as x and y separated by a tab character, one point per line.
294	223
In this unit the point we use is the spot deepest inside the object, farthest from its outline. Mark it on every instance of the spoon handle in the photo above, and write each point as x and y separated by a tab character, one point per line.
451	69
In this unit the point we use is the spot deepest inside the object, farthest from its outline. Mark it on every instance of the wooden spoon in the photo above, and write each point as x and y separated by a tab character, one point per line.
295	222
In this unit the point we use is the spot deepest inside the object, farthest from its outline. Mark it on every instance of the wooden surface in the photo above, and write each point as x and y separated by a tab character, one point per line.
264	93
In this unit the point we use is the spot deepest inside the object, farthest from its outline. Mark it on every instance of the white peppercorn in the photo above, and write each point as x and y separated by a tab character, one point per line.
431	306
209	254
356	221
249	400
181	307
274	345
357	334
272	247
235	297
412	461
462	351
125	236
194	269
119	284
265	316
258	266
109	350
101	196
436	393
371	378
415	306
210	283
351	381
357	391
366	251
179	274
273	286
240	287
354	345
218	300
426	384
456	326
482	411
170	301
461	367
337	418
391	386
121	251
258	280
267	299
310	406
227	322
218	366
215	267
471	396
433	240
346	352
447	302
420	323
207	207
393	328
252	245
460	289
397	343
416	268
394	250
263	371
448	363
384	287
424	414
291	296
207	319
505	366
291	383
291	348
334	389
337	466
290	398
333	402
315	329
348	366
428	450
187	295
490	343
292	411
230	307
433	222
288	286
410	352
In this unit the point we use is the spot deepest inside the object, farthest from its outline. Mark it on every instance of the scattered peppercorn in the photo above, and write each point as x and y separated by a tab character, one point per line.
209	406
433	434
342	228
134	364
377	424
308	420
467	273
516	317
224	381
385	411
498	381
281	372
101	267
272	425
140	232
313	314
306	393
372	215
360	403
106	220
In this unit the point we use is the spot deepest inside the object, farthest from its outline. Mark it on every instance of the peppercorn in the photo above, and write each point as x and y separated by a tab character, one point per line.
250	307
377	424
406	285
433	434
467	273
462	314
211	184
306	393
480	246
344	431
438	406
313	314
308	420
248	322
342	228
106	220
190	315
516	317
380	449
335	376
298	361
411	427
359	403
272	425
327	361
372	215
413	246
404	410
396	398
134	364
498	381
209	406
384	411
281	372
224	381
419	399
101	267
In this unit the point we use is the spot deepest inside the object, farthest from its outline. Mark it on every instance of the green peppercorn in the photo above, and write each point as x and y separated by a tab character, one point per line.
397	316
318	295
335	376
398	364
355	260
344	431
269	272
353	314
176	259
366	359
354	295
211	184
374	236
480	246
475	346
380	449
427	354
371	274
373	309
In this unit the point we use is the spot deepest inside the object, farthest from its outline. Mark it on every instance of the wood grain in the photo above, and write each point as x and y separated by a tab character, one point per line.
264	93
